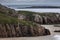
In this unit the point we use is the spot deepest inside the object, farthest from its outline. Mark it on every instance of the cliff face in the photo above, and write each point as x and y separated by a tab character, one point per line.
47	20
13	30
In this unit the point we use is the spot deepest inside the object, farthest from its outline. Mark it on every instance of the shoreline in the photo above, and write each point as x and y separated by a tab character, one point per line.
55	10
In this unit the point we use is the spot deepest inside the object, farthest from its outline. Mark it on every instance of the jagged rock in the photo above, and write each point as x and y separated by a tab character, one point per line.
4	30
38	18
47	32
45	20
0	30
30	31
13	30
18	31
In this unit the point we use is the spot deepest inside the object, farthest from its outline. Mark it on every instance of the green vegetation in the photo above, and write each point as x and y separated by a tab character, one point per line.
27	23
10	16
7	19
26	12
41	14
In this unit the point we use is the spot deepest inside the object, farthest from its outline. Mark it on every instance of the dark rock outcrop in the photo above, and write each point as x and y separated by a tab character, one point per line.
13	30
47	32
57	31
45	19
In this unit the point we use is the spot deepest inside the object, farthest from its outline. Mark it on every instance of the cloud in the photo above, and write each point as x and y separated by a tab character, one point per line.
54	2
21	1
15	0
24	0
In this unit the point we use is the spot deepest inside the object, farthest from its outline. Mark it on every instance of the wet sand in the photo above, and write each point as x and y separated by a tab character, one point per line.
53	36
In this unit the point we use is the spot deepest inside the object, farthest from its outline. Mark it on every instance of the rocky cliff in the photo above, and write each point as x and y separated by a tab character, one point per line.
13	30
12	26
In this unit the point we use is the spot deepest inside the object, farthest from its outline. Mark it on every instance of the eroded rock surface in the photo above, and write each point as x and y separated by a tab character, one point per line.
13	30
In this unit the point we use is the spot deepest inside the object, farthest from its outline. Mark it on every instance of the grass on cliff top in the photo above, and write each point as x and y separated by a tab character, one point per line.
51	14
7	19
12	20
27	23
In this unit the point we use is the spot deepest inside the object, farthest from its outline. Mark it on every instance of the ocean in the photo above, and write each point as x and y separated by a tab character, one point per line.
55	10
23	8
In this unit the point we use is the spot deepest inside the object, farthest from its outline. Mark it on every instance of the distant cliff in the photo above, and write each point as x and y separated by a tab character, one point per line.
44	7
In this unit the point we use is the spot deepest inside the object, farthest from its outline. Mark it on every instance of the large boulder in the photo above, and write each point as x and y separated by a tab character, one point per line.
38	18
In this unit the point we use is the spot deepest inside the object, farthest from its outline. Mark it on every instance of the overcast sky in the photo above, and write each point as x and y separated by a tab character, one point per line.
21	2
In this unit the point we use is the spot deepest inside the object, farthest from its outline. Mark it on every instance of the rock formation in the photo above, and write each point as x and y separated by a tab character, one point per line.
13	30
9	26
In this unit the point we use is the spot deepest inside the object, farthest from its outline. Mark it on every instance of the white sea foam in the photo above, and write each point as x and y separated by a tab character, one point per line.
57	10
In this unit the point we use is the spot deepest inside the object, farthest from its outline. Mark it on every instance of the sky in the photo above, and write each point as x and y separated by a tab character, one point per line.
30	2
